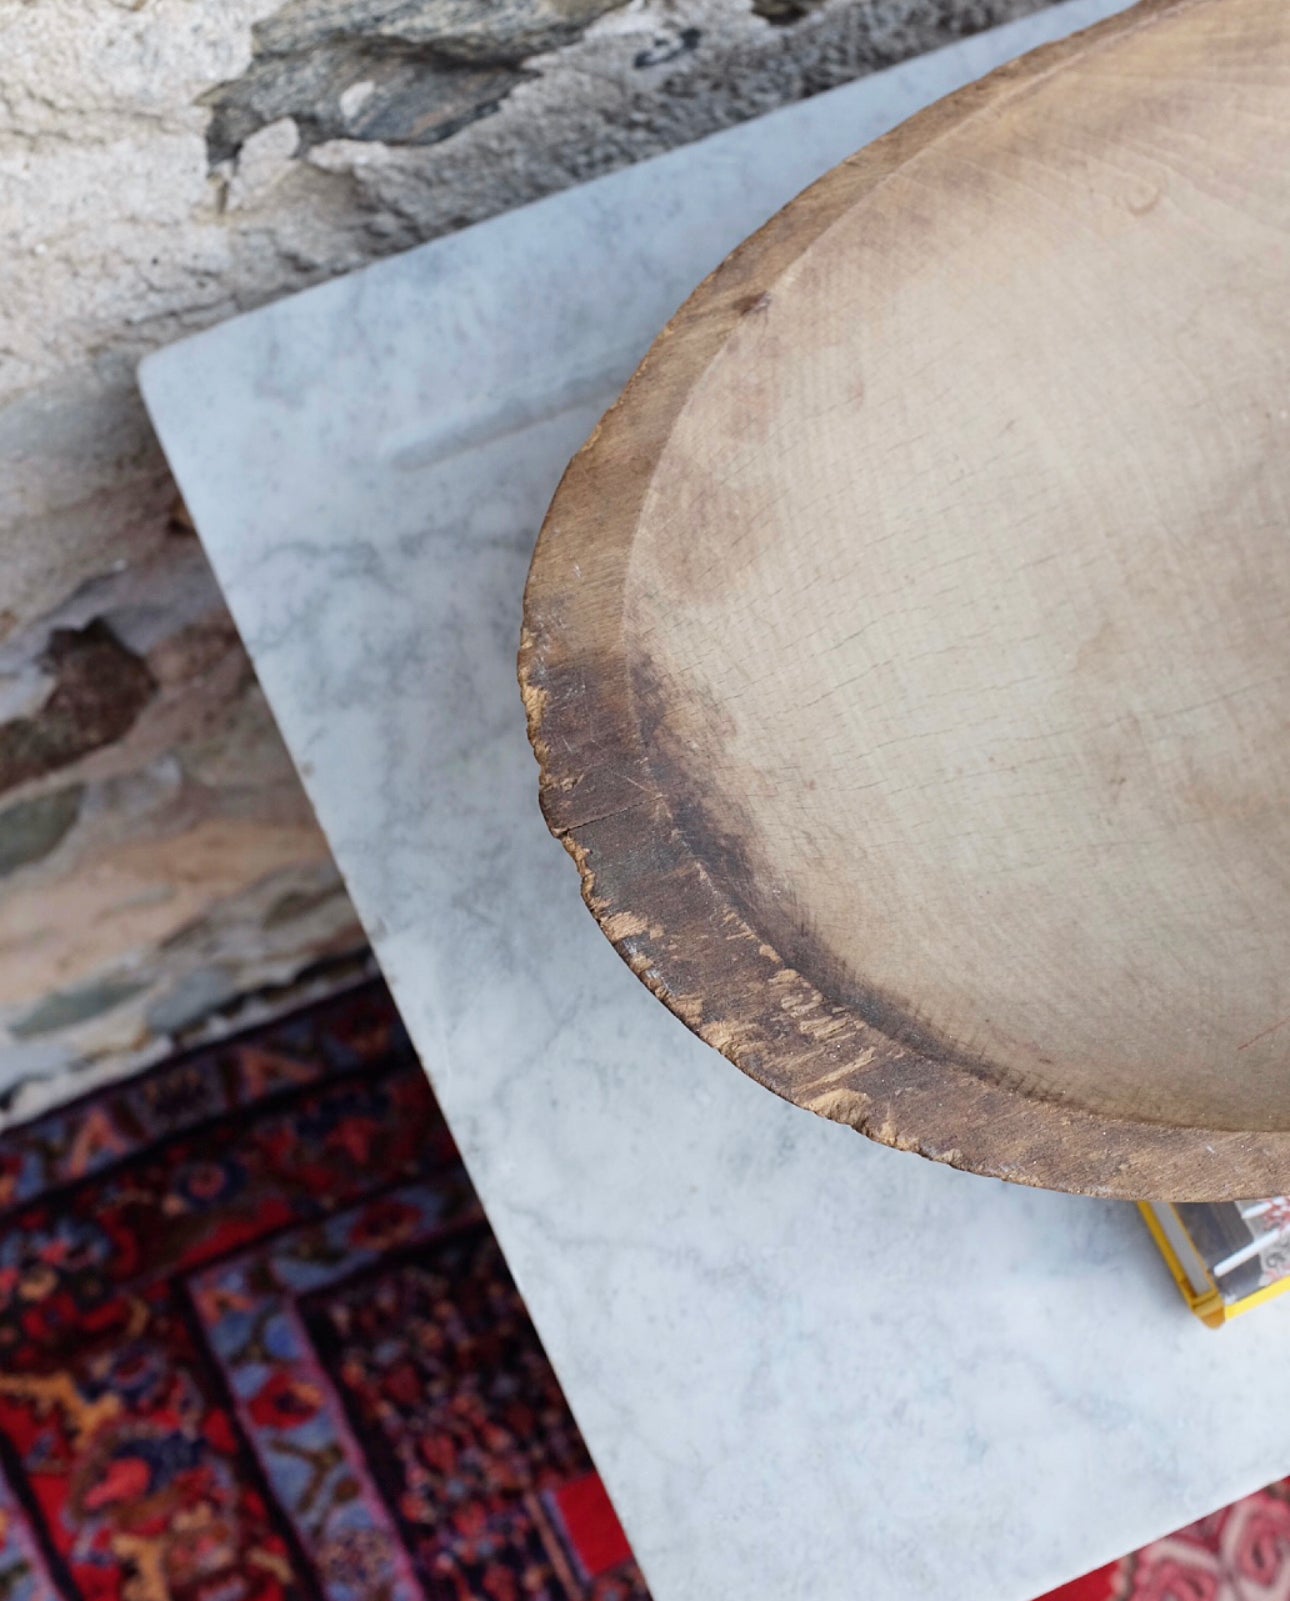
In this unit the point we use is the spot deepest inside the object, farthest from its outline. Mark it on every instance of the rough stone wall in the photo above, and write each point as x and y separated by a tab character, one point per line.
165	164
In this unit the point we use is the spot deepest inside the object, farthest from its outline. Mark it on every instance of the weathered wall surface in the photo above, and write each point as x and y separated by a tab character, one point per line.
164	164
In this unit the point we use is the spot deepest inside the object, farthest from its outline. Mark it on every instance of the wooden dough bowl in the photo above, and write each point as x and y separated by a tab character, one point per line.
908	652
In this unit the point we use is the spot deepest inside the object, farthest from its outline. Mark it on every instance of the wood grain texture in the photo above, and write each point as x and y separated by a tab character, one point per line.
906	654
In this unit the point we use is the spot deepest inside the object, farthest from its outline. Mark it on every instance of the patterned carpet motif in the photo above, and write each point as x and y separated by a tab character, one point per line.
1239	1554
257	1343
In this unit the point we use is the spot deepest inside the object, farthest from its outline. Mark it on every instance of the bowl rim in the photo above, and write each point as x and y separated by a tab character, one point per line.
680	931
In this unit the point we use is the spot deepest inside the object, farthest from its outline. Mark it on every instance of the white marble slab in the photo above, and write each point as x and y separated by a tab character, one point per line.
807	1366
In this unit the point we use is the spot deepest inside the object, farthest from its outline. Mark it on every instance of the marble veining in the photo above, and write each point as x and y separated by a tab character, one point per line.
808	1366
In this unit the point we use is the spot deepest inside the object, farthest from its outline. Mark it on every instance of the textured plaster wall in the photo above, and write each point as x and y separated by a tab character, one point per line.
165	164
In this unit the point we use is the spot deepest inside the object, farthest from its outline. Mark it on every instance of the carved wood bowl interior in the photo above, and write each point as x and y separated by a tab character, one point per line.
907	654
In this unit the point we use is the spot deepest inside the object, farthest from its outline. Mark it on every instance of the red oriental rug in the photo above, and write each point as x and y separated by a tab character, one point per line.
1239	1554
257	1343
